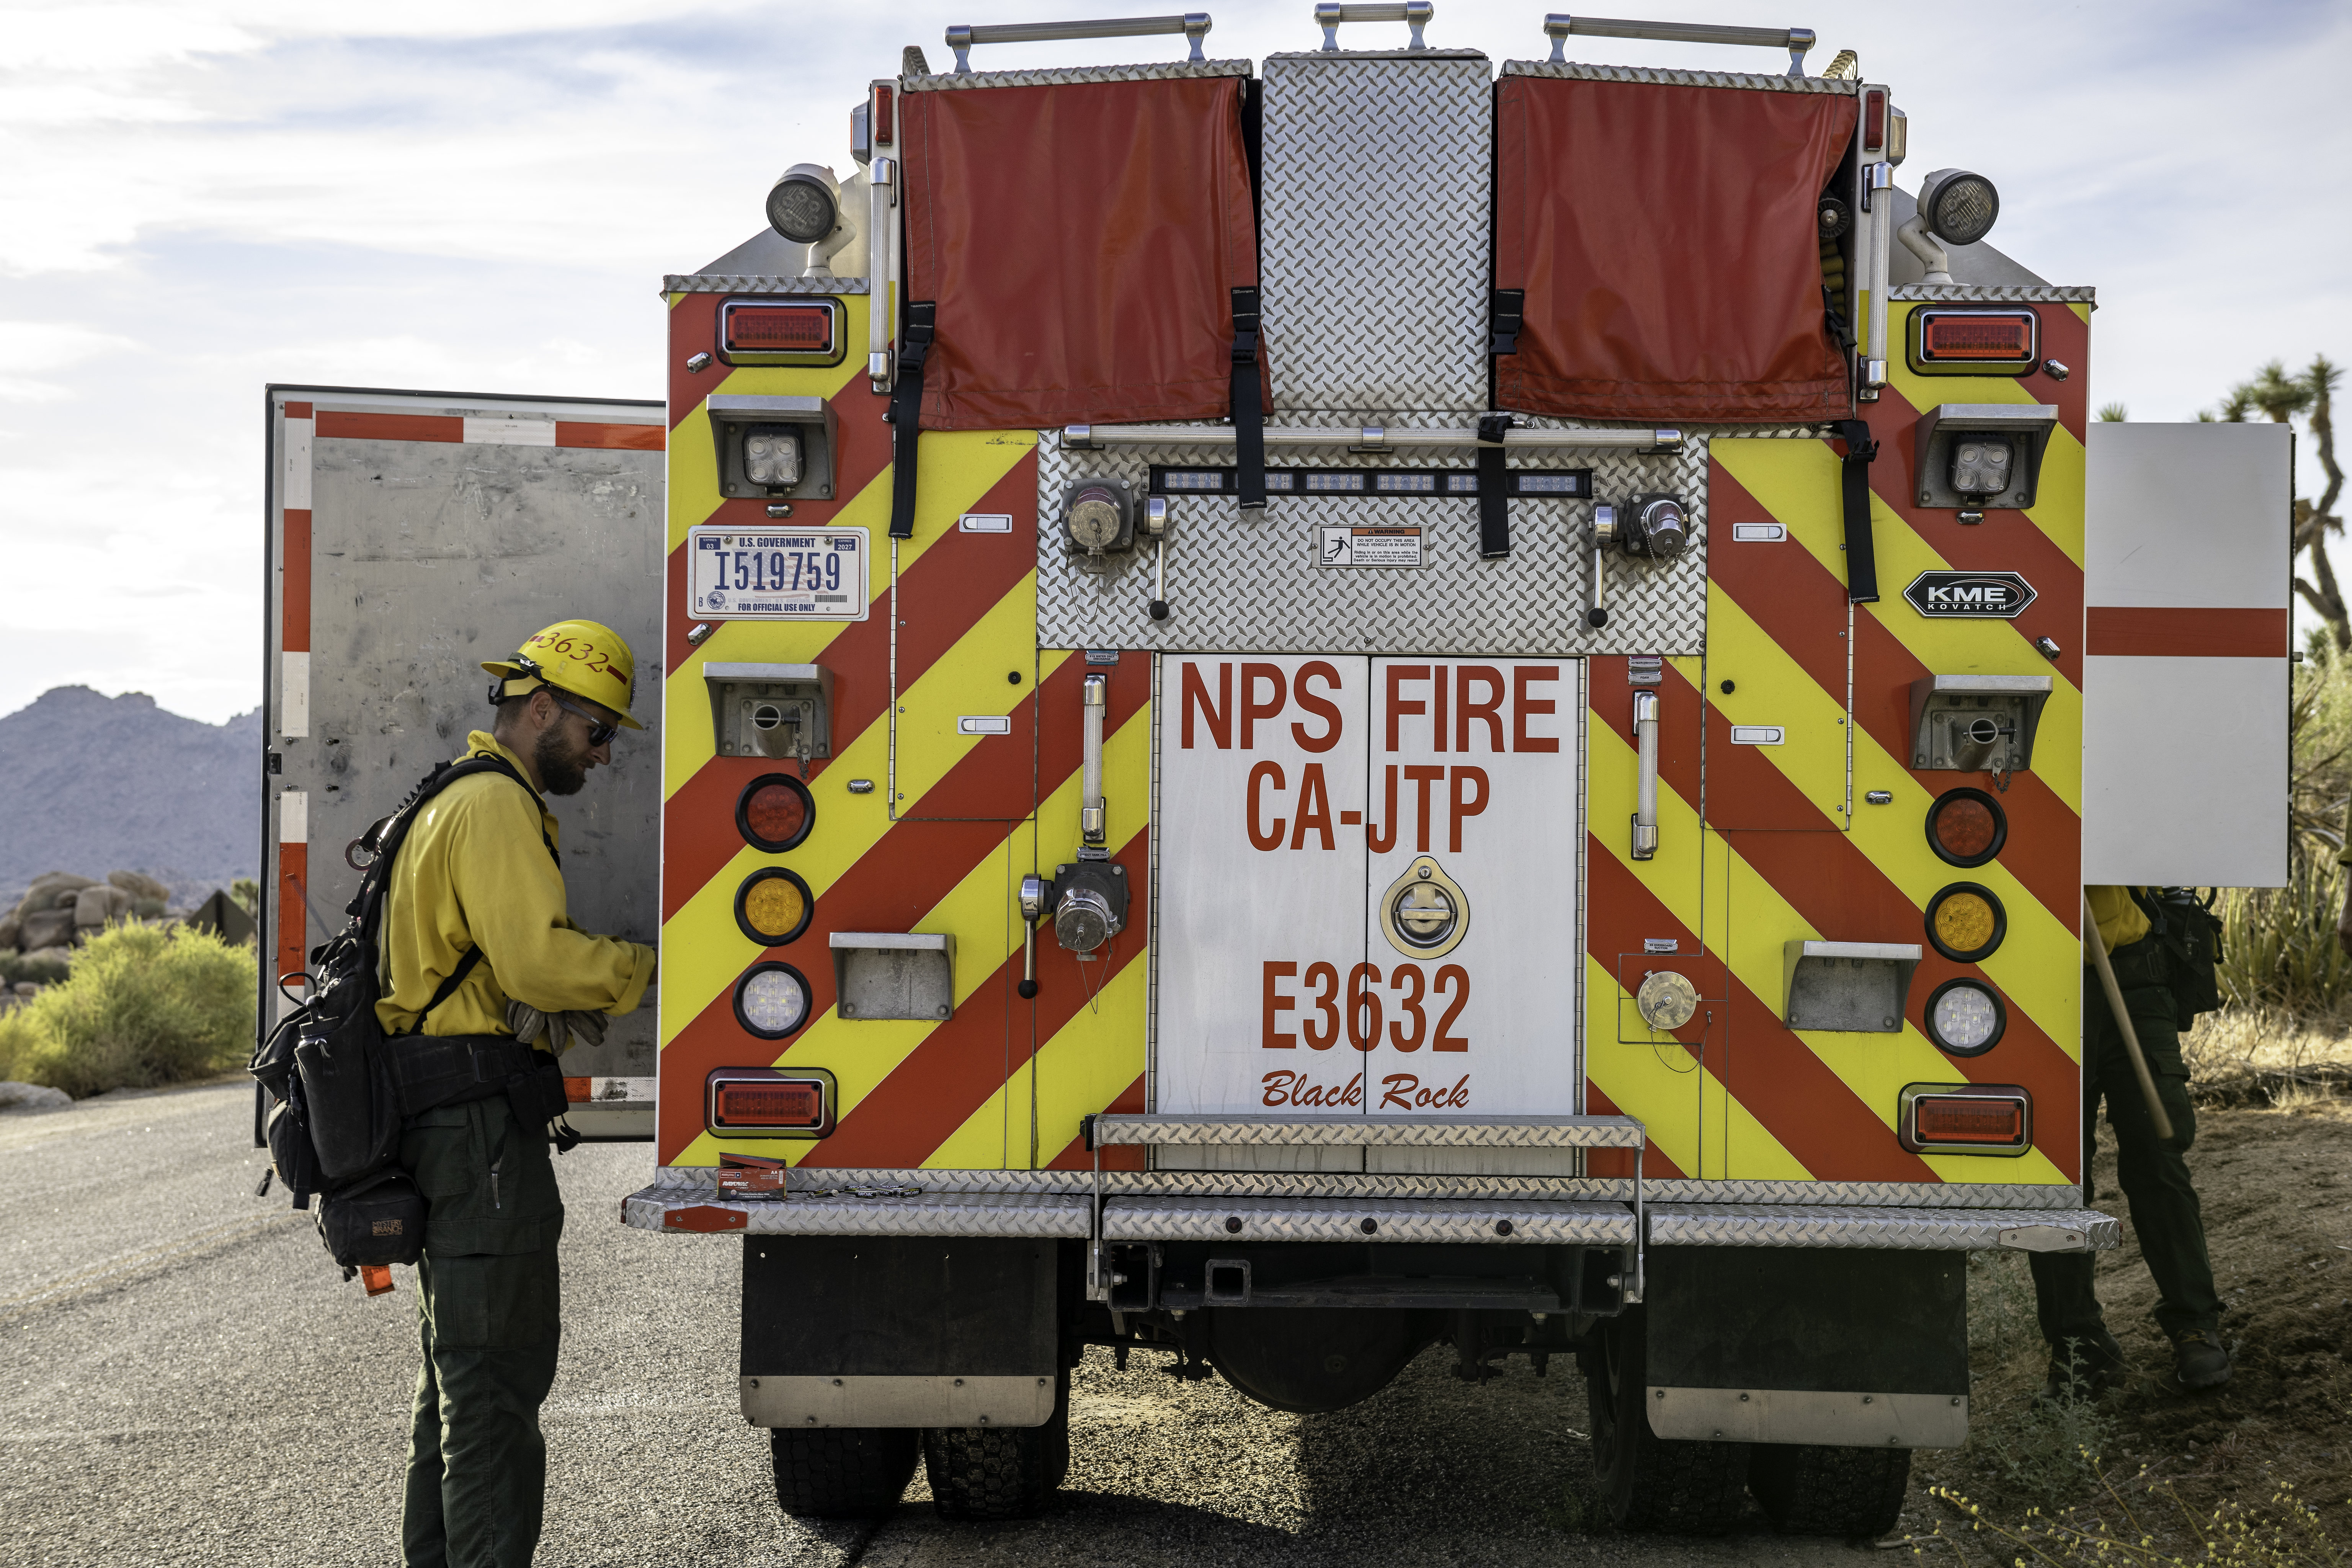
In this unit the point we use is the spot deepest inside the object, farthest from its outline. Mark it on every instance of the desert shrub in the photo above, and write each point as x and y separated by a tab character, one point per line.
142	1005
2278	944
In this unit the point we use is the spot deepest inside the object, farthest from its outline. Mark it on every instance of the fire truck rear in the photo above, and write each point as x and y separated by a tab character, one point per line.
1320	707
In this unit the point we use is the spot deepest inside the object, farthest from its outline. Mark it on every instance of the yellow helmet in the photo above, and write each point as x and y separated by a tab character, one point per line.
584	658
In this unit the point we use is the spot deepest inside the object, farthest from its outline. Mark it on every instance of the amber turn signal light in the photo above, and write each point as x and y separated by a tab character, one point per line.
1966	922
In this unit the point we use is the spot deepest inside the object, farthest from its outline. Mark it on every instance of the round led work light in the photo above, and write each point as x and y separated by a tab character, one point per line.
1966	922
1957	207
1965	1017
804	205
1967	827
771	1000
775	813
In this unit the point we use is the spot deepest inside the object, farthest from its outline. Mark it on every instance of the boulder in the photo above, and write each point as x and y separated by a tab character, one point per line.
26	988
33	1097
57	953
94	905
43	893
138	885
46	929
8	930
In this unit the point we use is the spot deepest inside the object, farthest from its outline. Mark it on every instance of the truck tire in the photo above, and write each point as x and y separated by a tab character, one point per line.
1809	1489
998	1472
838	1472
1650	1483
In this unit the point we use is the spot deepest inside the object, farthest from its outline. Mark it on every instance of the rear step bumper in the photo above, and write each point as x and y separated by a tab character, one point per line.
676	1207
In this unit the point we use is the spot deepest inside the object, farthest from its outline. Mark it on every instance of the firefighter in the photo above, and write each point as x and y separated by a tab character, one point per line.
2084	1356
479	872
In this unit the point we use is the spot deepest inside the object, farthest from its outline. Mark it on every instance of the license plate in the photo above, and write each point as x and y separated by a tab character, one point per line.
810	574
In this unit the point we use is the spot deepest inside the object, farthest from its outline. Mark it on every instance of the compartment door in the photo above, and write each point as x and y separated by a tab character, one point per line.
2188	548
1649	916
1262	867
1466	999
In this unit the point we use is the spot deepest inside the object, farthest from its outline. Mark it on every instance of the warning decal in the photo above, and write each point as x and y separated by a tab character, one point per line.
1342	546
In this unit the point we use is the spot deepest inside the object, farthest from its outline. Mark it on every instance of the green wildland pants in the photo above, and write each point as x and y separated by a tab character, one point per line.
489	1317
2164	1216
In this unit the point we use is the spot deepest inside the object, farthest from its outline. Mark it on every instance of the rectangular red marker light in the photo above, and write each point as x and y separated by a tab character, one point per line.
1963	1118
765	1103
774	329
1996	337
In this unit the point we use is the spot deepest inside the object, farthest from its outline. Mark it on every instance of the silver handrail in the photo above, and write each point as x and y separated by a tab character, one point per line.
1193	24
1559	25
1415	13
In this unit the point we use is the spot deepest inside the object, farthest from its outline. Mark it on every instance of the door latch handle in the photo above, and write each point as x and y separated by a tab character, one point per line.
1645	799
1605	534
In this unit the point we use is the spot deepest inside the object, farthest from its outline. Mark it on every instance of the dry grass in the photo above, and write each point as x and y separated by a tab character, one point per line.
2263	1056
2257	1471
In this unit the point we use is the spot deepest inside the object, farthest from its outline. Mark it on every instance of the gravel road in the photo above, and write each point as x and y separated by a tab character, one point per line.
187	1380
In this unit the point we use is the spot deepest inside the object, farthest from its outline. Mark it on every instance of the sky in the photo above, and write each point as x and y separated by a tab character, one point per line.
202	198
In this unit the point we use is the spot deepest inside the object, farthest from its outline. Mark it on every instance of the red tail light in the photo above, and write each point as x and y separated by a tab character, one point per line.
882	131
807	328
762	1102
1874	121
759	331
2002	342
1964	1118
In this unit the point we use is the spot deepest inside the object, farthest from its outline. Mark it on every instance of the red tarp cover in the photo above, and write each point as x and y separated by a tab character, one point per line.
1666	239
1082	242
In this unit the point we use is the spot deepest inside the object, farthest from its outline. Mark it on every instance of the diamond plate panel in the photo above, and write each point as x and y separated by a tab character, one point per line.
1741	1224
2004	293
1249	583
1343	1219
1839	87
950	82
689	1182
926	1214
1872	1195
1394	1132
1375	243
745	283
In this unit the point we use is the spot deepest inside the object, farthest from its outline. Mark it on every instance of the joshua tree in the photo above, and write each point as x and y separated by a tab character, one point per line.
2280	396
2112	413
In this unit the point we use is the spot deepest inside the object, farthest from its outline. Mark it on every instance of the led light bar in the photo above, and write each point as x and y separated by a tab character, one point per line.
1545	484
1099	437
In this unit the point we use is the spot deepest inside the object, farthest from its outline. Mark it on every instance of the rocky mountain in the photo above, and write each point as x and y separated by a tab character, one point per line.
100	782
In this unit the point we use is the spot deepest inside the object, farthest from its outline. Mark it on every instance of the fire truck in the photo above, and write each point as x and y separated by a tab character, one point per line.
1320	707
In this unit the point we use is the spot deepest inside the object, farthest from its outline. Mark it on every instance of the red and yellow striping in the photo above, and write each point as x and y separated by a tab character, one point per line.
1784	846
942	841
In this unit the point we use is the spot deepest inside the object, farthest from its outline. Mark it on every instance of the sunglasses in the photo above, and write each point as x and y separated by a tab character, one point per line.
599	732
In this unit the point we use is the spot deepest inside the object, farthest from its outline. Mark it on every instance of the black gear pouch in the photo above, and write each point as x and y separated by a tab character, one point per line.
375	1222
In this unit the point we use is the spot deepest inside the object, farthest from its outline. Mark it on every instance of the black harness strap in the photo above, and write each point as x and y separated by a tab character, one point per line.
1494	488
906	413
1861	553
1249	409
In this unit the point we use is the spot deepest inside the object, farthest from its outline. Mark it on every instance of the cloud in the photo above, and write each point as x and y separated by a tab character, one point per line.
210	195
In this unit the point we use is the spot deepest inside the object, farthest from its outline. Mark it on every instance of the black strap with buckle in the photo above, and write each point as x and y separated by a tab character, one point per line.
1249	408
1506	317
906	413
1494	488
1861	553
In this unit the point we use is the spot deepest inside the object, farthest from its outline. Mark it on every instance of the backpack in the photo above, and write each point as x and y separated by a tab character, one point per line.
2190	934
340	1091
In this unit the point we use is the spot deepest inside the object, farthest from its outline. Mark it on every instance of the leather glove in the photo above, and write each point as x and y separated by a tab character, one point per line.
560	1031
